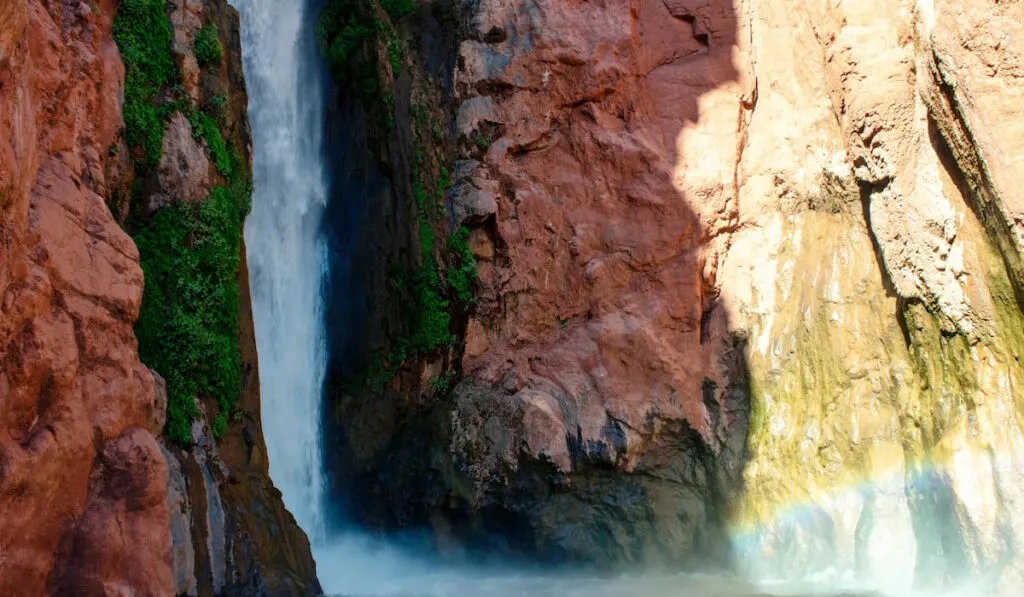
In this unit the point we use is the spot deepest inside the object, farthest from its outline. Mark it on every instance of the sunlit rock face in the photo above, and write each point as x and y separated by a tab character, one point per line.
749	279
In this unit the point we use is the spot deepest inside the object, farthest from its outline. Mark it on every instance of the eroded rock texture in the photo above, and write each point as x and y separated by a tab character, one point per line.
91	503
749	283
77	466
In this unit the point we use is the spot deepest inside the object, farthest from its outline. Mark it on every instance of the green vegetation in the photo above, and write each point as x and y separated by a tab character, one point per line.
204	127
343	27
388	115
397	9
342	45
360	44
220	425
395	55
483	142
429	308
217	106
418	113
440	385
143	34
431	320
207	46
188	324
443	182
429	323
462	275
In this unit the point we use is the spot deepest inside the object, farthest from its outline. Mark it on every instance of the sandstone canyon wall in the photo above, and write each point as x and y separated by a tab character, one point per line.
96	497
748	283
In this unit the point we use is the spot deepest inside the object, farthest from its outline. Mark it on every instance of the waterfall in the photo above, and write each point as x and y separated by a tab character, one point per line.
287	260
285	249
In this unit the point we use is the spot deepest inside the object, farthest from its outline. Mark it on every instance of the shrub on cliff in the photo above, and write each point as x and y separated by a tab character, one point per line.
143	34
397	9
345	25
463	274
205	128
207	46
430	319
340	31
188	325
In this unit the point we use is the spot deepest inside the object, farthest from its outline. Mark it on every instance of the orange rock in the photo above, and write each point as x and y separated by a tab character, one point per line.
85	500
71	383
599	237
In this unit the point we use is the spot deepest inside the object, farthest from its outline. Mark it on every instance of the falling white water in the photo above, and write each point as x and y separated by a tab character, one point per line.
285	250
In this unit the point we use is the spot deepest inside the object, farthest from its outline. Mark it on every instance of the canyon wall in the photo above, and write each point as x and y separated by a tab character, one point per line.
98	496
748	286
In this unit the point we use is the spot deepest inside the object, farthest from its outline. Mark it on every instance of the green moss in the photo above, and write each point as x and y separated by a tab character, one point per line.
462	275
443	182
207	46
483	142
431	320
143	35
216	106
418	113
388	115
429	324
440	385
426	238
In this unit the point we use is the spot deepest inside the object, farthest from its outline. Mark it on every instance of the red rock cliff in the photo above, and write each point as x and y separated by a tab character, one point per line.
81	475
93	501
749	291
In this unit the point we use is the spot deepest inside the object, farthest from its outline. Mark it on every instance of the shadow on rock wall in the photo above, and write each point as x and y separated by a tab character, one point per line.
604	407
